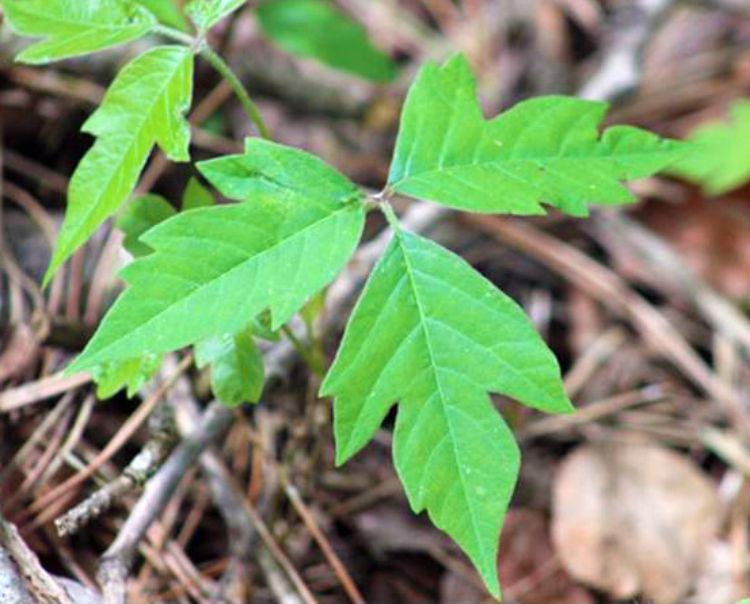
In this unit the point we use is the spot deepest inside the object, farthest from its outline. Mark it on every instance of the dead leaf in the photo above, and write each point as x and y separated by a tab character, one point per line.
633	517
711	236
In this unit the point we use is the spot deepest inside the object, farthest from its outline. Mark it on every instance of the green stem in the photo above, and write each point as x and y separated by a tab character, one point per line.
311	355
304	351
174	34
390	215
224	70
231	78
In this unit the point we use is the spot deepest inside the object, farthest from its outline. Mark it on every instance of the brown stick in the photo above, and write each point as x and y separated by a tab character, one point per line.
133	476
39	583
117	560
40	390
118	441
325	546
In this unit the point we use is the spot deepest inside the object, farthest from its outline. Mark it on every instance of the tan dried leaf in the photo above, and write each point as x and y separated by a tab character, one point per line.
633	517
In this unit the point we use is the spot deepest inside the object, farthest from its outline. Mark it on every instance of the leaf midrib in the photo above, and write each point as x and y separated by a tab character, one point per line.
434	367
501	163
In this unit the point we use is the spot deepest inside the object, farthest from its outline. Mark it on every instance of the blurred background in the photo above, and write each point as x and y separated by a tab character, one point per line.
642	496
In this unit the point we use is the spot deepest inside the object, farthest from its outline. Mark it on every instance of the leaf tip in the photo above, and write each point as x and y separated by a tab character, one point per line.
50	273
325	389
279	317
489	576
343	454
456	60
566	407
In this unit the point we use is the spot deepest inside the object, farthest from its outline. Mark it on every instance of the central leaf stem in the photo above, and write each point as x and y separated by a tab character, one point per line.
231	78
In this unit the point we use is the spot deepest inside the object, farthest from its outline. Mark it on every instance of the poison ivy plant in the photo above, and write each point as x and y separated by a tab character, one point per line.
147	211
429	334
143	107
316	29
131	374
196	196
434	335
73	28
297	228
720	161
547	149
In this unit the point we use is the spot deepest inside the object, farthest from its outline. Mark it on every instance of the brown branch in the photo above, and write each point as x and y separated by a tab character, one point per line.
40	585
134	476
330	554
35	392
117	560
236	509
675	276
123	435
12	586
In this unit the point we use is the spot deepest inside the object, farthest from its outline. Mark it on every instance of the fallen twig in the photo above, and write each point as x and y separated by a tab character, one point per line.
40	585
117	560
137	472
114	445
674	275
35	392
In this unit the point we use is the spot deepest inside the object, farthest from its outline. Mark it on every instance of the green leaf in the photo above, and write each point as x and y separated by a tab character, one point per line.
313	309
720	160
196	196
435	336
207	13
545	150
139	216
316	29
236	367
74	27
214	269
132	374
296	176
144	106
167	12
261	326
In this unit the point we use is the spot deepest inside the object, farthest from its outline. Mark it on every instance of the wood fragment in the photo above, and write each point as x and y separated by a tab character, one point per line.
40	584
135	474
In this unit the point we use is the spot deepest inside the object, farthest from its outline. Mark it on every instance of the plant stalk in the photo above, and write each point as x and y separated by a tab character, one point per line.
225	72
231	78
